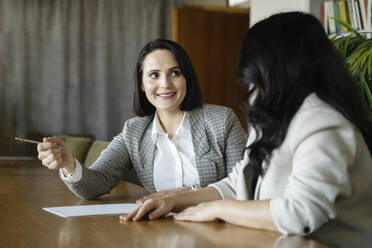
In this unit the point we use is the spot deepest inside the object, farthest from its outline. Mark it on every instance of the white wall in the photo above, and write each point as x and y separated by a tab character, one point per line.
260	9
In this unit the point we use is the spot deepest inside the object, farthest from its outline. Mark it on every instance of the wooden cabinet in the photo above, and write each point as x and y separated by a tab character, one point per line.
212	37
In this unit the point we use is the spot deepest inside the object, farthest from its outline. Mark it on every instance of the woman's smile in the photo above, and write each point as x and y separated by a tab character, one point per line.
167	95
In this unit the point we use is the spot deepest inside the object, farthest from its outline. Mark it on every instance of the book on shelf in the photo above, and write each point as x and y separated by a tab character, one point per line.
344	14
355	12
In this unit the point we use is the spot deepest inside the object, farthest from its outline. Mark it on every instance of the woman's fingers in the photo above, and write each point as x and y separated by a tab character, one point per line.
145	209
45	145
49	143
53	139
50	155
54	154
142	200
43	155
54	165
137	214
146	198
130	216
52	160
158	212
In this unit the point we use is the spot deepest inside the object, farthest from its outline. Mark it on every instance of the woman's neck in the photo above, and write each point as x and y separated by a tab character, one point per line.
170	121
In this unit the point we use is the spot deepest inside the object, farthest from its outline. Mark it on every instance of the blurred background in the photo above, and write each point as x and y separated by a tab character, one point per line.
67	66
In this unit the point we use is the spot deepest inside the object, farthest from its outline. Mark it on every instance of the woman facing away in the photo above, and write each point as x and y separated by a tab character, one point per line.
307	168
175	145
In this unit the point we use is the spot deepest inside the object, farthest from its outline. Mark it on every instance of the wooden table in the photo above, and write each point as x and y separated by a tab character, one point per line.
26	187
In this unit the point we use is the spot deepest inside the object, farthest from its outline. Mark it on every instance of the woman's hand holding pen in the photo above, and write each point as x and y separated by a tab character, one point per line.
55	155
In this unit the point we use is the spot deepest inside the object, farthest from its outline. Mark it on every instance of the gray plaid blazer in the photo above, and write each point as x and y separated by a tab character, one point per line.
217	136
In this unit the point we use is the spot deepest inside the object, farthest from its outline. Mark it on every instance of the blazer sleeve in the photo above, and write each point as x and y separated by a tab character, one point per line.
104	174
233	186
323	146
235	140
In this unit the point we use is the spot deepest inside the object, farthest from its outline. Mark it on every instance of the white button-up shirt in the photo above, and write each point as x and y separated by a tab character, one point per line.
174	159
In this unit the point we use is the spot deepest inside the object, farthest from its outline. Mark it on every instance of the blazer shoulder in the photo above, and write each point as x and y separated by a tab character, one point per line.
215	109
317	114
136	126
213	113
216	119
315	117
138	121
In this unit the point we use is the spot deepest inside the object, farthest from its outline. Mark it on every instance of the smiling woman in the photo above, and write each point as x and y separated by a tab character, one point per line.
164	86
176	144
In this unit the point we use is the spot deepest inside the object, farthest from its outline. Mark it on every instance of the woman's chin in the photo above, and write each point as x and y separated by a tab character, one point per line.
168	109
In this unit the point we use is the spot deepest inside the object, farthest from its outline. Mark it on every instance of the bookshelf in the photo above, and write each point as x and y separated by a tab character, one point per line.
322	9
357	13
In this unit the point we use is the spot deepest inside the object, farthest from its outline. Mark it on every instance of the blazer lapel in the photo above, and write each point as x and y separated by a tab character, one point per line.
205	166
199	132
146	155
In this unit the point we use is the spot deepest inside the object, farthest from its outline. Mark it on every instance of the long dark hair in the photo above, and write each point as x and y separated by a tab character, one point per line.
286	57
193	99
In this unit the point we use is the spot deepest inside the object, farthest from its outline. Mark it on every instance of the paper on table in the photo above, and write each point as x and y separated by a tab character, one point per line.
98	209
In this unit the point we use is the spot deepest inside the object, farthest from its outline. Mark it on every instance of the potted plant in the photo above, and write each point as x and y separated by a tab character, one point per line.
356	48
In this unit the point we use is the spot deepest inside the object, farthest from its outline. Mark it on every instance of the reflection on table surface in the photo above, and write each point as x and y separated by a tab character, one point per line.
26	187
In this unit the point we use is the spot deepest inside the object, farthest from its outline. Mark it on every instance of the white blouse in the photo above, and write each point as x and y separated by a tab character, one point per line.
174	160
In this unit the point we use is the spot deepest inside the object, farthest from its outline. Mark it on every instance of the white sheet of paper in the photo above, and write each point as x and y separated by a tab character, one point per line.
98	209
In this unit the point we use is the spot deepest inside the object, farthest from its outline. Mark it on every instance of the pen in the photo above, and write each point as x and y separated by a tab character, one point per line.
31	141
27	140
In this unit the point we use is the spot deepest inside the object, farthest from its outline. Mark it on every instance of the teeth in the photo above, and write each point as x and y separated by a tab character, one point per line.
169	94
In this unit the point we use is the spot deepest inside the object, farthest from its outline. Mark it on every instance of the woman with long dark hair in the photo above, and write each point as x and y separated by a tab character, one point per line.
175	144
307	168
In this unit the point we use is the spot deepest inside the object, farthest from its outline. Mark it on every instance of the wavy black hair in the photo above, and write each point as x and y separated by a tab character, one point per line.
193	99
286	57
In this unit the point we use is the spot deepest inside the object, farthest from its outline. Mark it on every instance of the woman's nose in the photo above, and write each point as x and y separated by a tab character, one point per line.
165	81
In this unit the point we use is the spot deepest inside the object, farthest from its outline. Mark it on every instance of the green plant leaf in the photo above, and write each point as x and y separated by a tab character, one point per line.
357	52
348	26
369	64
366	91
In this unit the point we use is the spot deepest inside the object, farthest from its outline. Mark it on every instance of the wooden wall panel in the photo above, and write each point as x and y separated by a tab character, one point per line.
211	37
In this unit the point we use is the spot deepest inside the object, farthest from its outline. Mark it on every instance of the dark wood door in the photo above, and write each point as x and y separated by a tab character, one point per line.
211	37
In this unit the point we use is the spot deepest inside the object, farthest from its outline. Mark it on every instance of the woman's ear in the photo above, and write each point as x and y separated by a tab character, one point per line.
142	87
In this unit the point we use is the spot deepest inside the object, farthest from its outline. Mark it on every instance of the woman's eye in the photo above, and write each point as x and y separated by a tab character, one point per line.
154	75
176	73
